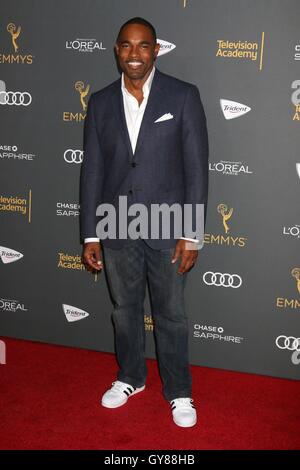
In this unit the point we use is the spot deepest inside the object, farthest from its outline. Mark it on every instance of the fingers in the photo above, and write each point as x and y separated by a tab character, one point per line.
177	253
188	260
91	256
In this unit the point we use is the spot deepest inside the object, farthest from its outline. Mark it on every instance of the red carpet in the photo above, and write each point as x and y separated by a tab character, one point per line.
50	400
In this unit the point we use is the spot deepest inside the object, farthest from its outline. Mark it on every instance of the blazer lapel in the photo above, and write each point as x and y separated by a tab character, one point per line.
119	111
155	99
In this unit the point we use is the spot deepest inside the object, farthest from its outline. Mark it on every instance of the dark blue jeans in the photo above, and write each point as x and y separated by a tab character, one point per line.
127	270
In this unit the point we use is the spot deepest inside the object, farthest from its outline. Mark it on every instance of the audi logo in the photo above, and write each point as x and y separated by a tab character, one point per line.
222	279
288	342
73	156
18	98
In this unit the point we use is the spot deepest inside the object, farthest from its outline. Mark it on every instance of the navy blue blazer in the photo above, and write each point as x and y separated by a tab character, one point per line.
170	162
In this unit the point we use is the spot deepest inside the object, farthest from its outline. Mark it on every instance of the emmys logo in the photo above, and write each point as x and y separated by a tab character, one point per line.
73	313
232	110
79	86
282	302
226	214
15	57
296	274
221	239
184	3
15	33
8	255
2	352
83	92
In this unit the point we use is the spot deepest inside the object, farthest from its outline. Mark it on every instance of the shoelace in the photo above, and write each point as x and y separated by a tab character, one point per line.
182	403
121	387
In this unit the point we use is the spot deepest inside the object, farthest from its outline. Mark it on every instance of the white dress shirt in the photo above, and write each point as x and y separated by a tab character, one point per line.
134	114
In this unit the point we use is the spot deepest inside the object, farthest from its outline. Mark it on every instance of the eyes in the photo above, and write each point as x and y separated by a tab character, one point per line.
142	46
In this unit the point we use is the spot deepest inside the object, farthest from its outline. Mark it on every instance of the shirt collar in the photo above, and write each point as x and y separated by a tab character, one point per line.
146	86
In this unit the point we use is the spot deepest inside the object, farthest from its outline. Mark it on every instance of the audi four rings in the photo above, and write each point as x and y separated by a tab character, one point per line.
222	279
73	156
288	342
18	98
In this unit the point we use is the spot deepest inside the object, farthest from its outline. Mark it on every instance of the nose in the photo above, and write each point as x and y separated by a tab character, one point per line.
134	52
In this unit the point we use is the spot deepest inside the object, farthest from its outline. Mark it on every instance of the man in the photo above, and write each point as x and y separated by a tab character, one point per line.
145	138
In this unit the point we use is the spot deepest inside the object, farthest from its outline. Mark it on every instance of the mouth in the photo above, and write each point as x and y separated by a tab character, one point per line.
134	64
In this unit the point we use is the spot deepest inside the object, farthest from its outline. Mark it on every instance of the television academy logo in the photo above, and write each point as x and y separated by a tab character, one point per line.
241	50
74	313
214	333
73	156
11	153
14	98
85	45
295	99
66	261
8	255
230	168
17	204
165	47
283	302
14	33
10	305
291	344
232	109
83	91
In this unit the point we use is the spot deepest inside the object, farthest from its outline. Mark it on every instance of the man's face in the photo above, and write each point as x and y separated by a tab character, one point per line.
136	51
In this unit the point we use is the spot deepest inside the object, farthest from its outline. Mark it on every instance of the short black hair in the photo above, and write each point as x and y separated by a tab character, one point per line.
139	20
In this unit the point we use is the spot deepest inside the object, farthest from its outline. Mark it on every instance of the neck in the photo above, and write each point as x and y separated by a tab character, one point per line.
136	85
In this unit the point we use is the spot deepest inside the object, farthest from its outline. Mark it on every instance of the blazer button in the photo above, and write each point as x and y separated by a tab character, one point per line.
130	191
133	164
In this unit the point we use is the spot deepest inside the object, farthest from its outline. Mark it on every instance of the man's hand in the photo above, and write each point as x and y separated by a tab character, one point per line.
188	256
91	256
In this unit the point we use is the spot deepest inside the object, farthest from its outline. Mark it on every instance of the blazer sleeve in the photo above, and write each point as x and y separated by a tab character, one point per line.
195	160
91	177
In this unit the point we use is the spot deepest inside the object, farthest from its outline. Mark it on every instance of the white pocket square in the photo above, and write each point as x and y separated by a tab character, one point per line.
164	117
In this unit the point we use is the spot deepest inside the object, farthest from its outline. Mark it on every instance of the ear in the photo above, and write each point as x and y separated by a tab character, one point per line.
156	49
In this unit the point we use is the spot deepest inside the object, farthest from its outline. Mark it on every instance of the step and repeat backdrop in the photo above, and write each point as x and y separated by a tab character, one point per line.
243	297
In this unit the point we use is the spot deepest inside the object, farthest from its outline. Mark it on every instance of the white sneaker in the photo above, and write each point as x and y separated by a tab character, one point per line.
118	394
184	412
